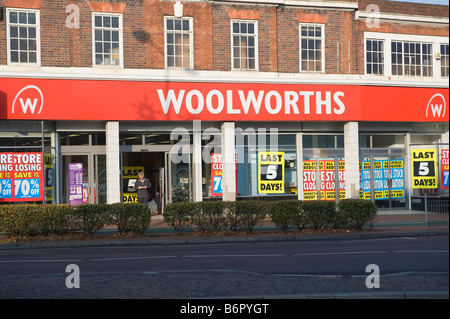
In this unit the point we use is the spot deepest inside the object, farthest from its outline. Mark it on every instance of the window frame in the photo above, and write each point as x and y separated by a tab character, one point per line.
444	76
120	29
322	38
232	34
416	56
389	38
38	37
191	43
382	57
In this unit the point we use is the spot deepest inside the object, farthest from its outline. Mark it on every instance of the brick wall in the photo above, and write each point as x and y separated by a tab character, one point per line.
278	32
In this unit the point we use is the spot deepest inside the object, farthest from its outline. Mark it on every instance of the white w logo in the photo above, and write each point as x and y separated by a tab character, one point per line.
27	105
438	108
27	102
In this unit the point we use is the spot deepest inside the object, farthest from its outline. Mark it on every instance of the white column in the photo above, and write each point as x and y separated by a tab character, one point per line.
351	154
112	163
228	162
197	161
407	172
299	148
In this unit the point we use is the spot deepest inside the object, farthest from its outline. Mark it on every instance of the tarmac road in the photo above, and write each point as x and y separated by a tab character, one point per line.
228	284
410	267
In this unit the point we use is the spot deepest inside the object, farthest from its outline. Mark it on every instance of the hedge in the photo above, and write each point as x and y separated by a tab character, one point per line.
203	217
287	214
210	217
354	213
33	219
347	214
213	216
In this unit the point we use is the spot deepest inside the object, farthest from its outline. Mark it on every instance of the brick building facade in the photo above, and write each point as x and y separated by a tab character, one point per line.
106	71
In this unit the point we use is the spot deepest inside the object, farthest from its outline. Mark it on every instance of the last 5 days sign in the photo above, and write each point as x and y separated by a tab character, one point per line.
424	168
21	176
271	172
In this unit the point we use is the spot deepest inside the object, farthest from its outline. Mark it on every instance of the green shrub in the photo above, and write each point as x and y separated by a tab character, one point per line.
91	217
319	214
178	215
354	213
129	217
55	219
246	214
208	217
18	219
287	214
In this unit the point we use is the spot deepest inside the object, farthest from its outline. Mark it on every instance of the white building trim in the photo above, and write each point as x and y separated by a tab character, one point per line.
397	17
215	76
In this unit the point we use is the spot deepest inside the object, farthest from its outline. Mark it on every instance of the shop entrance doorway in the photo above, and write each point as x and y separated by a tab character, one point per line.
153	164
89	184
171	181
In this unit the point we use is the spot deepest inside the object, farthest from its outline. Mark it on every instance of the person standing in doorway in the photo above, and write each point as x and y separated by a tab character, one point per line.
142	187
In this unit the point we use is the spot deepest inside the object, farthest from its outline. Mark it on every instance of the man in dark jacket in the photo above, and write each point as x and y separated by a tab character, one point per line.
142	187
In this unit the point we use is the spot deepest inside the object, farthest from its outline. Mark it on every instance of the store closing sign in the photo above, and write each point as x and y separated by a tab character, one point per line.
383	171
326	178
424	168
21	177
130	174
444	168
216	173
271	172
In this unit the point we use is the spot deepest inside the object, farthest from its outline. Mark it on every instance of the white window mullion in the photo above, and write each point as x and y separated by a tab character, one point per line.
23	37
178	28
107	40
311	41
244	56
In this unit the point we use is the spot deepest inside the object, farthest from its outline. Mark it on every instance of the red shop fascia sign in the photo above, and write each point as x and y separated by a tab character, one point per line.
114	100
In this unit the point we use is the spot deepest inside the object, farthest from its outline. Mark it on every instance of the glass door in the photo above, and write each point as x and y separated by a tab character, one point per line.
84	178
180	181
382	177
75	168
99	184
323	174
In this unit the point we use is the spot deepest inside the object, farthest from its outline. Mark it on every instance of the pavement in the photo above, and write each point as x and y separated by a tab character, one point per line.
222	284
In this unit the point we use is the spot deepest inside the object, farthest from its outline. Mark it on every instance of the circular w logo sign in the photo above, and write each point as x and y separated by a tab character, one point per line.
436	106
29	99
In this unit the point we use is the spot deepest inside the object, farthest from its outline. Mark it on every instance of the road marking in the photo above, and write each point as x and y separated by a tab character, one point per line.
343	253
132	258
420	251
374	239
316	276
226	256
41	261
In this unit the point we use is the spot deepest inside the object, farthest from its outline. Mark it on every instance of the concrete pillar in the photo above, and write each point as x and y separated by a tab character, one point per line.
228	162
299	148
351	154
197	161
113	182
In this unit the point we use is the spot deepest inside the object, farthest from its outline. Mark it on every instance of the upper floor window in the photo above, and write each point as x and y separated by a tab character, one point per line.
23	36
411	58
311	48
444	60
244	42
107	39
179	46
375	56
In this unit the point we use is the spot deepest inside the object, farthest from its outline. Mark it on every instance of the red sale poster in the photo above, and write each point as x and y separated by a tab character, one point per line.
21	176
326	179
216	173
